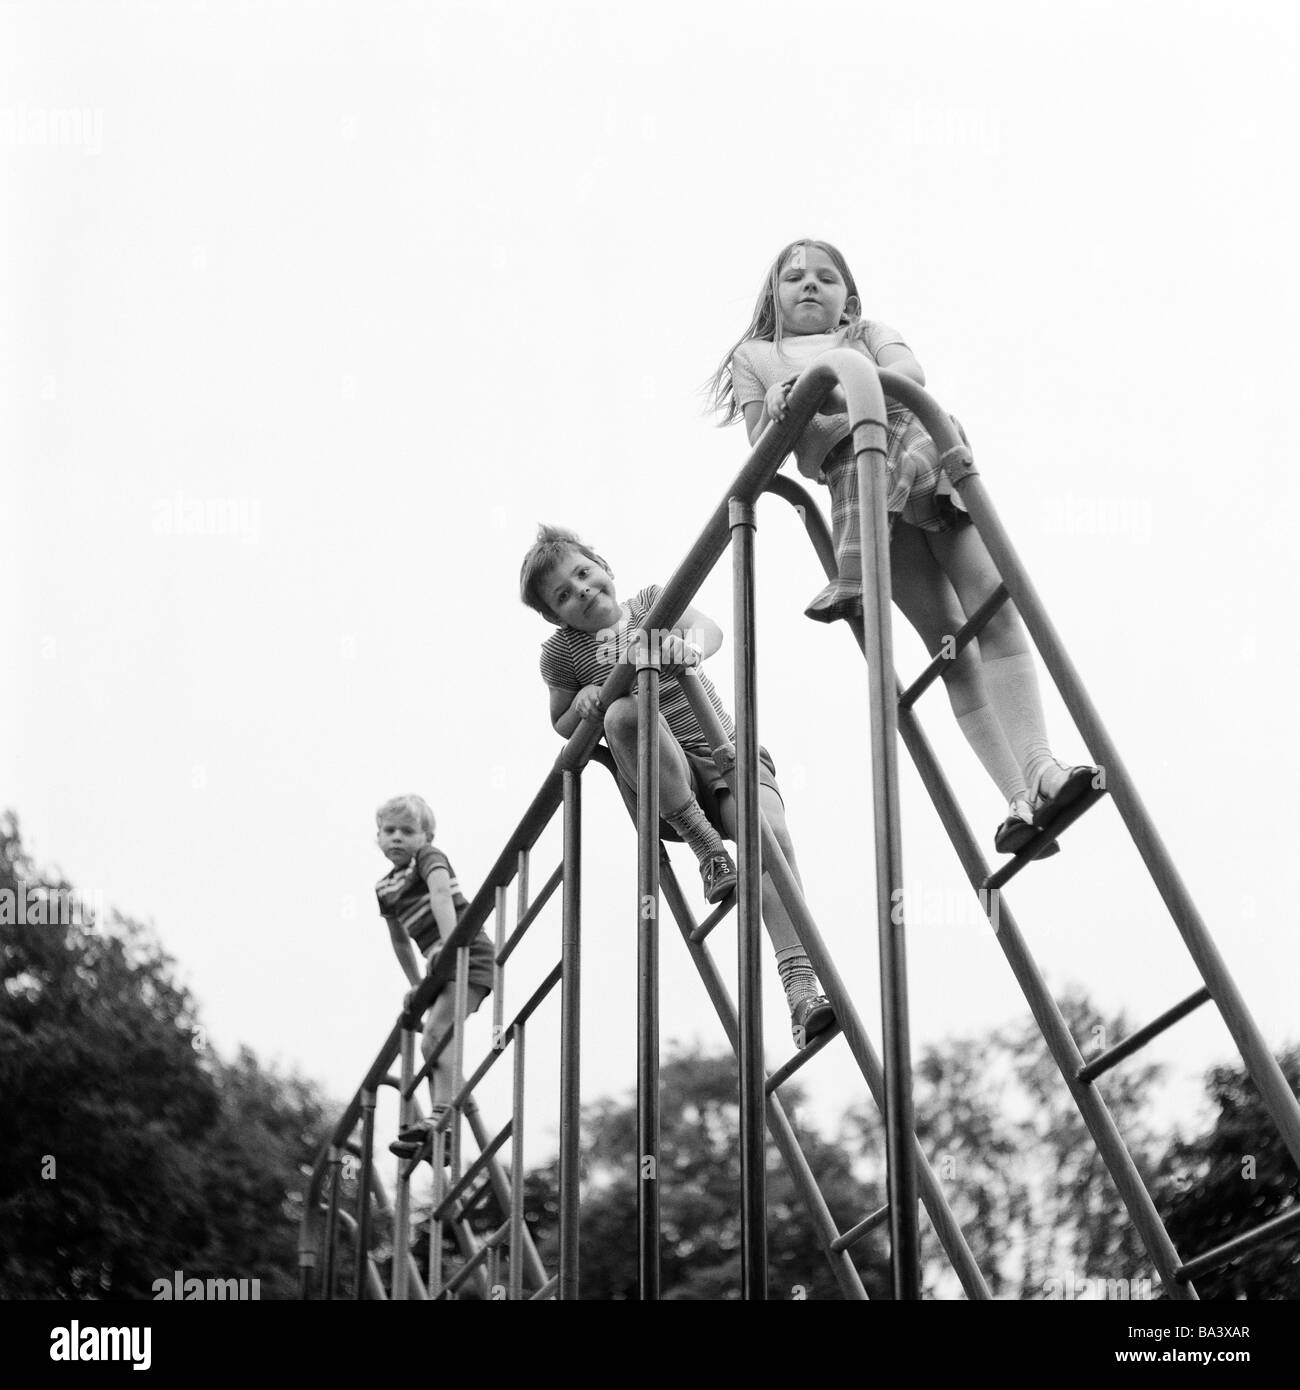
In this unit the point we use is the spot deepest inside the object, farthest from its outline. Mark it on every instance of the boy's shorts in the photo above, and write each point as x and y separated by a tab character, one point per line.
482	956
707	783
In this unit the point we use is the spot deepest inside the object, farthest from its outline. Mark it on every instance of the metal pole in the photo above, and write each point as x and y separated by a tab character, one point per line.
753	1161
498	970
905	1261
647	966
517	1172
364	1177
570	1023
332	1221
402	1202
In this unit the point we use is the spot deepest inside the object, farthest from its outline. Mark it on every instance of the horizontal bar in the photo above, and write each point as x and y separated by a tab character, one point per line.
801	1059
476	1259
479	1164
1106	1060
966	634
715	916
488	1062
855	1233
546	1290
1261	1235
530	916
1036	846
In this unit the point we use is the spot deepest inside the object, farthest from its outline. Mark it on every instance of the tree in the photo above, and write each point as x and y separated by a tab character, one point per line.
1228	1181
132	1155
699	1194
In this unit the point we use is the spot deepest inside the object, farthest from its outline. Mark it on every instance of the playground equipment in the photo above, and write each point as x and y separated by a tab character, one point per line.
892	714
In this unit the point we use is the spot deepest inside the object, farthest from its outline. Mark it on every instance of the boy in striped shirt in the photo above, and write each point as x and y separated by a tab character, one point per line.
421	903
571	586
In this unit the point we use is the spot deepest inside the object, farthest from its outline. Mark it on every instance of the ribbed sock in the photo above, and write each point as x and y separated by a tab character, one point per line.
1012	684
797	975
690	822
985	736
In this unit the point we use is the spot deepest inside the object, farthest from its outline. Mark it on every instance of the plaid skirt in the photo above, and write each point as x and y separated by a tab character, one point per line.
919	493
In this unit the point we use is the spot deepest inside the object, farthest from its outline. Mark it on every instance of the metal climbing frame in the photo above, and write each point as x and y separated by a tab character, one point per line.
733	522
1176	1274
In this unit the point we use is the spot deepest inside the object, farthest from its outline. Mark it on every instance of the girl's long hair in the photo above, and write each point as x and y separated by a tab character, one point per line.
765	326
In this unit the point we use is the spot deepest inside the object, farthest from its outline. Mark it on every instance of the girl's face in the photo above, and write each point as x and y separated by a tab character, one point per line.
400	840
581	593
811	295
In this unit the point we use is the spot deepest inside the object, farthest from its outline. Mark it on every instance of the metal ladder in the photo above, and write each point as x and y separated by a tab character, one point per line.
1080	1075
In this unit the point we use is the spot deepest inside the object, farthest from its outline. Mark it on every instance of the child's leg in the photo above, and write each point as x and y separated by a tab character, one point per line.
1007	660
797	976
927	599
441	1015
677	803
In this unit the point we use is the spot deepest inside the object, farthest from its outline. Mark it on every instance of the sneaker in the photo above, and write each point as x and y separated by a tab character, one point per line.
1018	831
415	1141
809	1018
719	875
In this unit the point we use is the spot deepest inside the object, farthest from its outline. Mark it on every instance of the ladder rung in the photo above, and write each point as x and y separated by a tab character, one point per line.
714	917
784	1072
852	1236
965	635
477	1258
1108	1059
472	1171
1239	1245
1058	828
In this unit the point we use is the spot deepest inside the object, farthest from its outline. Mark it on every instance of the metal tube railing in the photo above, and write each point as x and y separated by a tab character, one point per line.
749	930
1046	1014
861	386
647	969
364	1180
850	1022
570	1008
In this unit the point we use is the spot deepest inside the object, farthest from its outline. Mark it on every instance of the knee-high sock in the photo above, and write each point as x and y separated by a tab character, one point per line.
690	822
984	734
797	976
1012	684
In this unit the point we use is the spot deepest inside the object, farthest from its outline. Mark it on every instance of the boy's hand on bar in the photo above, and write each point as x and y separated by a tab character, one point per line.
587	702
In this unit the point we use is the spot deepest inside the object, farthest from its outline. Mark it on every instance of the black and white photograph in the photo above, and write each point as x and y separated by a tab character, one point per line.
648	656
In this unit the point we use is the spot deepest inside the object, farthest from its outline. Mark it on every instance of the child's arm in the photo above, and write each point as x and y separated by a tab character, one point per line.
694	637
897	357
404	951
568	709
440	900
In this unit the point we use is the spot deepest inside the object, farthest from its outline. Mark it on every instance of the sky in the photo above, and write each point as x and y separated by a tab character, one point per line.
316	311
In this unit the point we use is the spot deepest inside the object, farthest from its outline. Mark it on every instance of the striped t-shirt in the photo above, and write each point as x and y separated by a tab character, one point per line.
571	660
404	895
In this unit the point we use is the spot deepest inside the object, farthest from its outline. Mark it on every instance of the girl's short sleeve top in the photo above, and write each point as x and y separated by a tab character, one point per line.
757	366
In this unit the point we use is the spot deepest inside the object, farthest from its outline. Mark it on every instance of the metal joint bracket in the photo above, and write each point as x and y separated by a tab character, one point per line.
959	464
741	514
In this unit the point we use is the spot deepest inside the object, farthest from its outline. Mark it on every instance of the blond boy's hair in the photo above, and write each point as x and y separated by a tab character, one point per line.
414	808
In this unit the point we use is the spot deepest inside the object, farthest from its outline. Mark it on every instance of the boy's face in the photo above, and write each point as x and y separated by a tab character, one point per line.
400	839
581	593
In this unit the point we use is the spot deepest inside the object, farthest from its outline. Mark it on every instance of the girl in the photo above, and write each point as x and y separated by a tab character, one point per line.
940	569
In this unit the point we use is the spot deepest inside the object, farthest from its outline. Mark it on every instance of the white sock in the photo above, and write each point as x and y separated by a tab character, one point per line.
985	736
1012	684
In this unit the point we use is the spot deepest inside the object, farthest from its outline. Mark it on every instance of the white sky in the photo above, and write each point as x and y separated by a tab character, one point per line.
397	281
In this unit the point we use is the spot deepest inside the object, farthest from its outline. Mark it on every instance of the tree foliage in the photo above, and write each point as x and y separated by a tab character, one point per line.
133	1153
